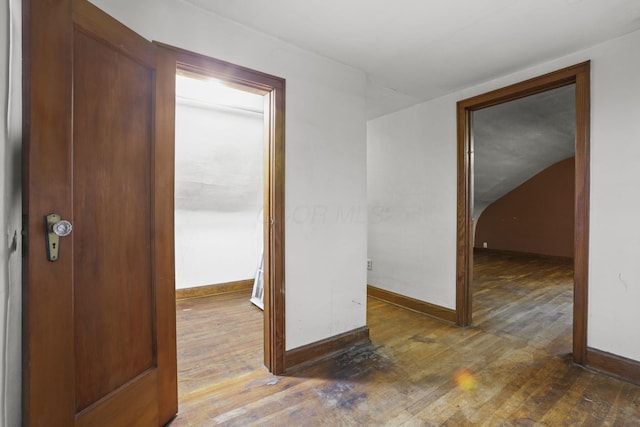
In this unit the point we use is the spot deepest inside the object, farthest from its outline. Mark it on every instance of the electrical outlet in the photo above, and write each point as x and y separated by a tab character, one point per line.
369	264
484	245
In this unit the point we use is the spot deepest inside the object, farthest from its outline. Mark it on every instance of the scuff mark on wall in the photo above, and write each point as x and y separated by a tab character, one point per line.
626	286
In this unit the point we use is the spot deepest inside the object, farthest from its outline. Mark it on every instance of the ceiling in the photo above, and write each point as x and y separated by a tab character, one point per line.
415	50
516	140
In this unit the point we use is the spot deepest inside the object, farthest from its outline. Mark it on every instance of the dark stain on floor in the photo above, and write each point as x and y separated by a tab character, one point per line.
340	395
359	363
362	360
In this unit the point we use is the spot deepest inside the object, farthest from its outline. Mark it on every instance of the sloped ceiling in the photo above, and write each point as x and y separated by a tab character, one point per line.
516	140
416	50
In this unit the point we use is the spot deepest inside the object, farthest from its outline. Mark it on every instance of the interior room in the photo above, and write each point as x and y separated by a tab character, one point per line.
371	130
523	171
219	183
219	176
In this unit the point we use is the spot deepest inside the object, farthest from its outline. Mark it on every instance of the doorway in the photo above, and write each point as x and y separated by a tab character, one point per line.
578	75
524	156
271	89
219	183
219	204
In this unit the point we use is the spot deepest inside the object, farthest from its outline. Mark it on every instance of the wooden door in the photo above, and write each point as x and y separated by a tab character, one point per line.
99	322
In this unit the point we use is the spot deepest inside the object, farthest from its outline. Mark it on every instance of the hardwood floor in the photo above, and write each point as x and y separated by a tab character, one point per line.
512	369
524	298
219	339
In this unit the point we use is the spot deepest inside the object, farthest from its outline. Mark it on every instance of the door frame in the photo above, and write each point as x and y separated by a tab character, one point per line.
171	60
579	75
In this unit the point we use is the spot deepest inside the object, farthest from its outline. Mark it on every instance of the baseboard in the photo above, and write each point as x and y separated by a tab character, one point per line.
222	288
325	348
613	365
518	253
413	304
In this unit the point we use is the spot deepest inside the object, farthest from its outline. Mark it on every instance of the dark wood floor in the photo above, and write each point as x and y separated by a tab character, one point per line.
511	369
525	298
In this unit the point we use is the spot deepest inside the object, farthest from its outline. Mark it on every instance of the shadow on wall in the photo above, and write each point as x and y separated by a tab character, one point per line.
536	217
11	214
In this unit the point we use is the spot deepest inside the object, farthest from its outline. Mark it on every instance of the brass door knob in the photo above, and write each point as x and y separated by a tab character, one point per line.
55	227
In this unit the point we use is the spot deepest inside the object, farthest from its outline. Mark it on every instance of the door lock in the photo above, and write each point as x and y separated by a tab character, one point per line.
55	227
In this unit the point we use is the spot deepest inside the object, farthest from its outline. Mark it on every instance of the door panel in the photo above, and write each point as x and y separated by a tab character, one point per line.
99	323
112	219
139	397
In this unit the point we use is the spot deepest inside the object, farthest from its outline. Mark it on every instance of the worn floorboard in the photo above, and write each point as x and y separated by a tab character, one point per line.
525	298
512	368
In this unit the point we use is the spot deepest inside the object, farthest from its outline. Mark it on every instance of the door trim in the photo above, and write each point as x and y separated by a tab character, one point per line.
580	76
174	59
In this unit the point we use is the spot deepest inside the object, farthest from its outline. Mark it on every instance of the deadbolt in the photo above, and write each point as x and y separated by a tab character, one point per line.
55	227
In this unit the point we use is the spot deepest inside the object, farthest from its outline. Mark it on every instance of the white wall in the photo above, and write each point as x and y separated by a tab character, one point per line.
10	214
219	194
215	247
412	201
325	273
412	194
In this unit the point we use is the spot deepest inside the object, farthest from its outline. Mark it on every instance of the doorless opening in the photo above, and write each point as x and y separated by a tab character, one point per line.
523	171
578	75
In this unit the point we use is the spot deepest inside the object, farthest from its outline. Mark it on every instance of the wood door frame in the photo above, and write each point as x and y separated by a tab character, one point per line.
172	60
580	76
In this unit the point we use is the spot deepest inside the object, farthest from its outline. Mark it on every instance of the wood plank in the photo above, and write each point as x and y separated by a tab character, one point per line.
581	221
163	249
209	290
524	297
417	370
219	338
